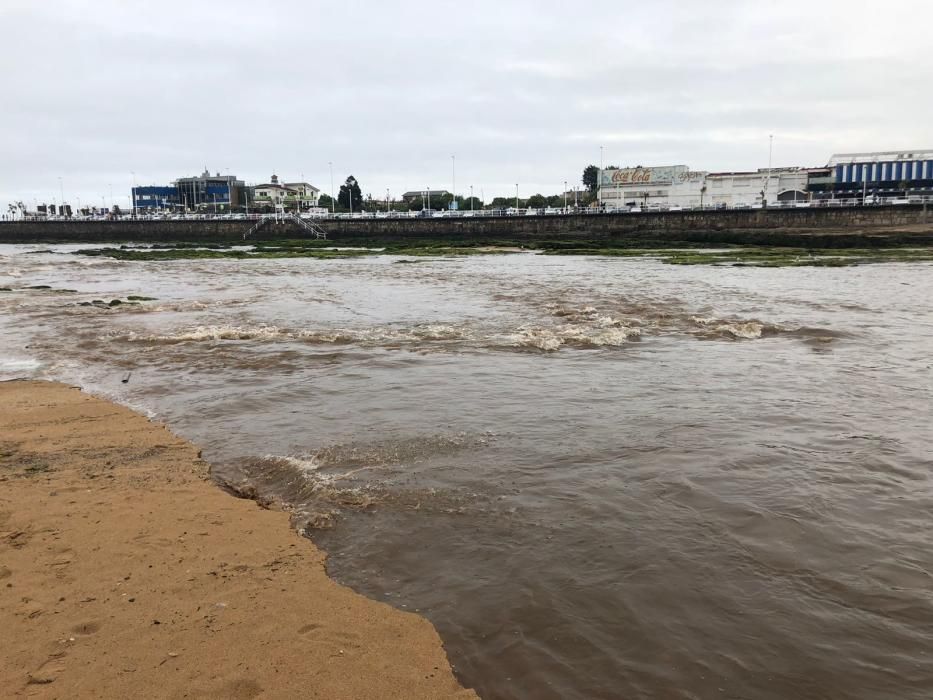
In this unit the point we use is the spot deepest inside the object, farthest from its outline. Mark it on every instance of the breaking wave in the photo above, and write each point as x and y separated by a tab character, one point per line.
551	339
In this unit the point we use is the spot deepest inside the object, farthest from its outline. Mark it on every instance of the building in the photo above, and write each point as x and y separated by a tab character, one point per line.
210	190
762	187
279	194
419	196
189	193
674	185
156	197
678	186
882	173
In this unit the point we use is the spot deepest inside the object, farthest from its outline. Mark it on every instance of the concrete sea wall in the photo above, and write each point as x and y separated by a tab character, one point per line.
843	227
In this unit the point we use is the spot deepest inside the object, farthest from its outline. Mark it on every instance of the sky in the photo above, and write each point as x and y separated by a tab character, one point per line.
99	93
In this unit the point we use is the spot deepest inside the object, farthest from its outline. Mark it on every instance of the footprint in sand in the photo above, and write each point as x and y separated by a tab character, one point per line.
48	672
241	689
86	629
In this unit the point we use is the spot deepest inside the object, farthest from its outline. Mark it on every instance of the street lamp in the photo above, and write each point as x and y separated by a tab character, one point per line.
764	191
516	197
387	200
61	190
134	193
332	203
599	181
453	165
428	191
471	199
565	196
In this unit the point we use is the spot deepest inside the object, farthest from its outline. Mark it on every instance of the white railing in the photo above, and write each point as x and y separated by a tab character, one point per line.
302	220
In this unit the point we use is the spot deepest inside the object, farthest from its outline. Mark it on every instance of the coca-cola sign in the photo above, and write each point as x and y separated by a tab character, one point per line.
676	174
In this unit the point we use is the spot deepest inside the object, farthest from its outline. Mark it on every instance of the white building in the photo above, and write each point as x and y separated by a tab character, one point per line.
278	194
678	186
750	189
674	185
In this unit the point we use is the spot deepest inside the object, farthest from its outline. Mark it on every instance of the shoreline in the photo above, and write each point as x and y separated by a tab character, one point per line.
125	571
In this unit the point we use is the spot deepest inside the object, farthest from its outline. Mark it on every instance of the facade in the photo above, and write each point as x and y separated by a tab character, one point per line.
279	194
674	185
883	173
306	192
210	190
678	186
415	195
757	188
187	193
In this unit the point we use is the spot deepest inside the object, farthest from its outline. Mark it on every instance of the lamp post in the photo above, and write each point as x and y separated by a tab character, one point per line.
471	199
428	191
565	196
134	193
453	166
599	179
516	197
61	190
764	191
387	200
332	203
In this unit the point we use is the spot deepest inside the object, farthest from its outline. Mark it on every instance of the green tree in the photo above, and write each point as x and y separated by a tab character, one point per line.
350	196
471	202
537	201
325	200
504	202
591	178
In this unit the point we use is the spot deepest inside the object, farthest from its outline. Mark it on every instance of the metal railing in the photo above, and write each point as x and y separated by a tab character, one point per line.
308	226
307	222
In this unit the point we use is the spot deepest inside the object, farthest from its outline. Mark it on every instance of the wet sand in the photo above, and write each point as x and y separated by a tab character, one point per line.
125	572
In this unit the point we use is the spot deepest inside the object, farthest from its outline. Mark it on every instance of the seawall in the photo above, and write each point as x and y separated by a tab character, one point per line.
829	227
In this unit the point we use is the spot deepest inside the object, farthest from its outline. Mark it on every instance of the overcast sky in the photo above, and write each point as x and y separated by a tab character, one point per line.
520	92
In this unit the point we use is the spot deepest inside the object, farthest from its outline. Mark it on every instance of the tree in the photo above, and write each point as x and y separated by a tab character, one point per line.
536	201
325	200
503	202
471	203
591	178
351	196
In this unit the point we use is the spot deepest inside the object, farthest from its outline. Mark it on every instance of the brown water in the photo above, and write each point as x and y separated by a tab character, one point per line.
598	477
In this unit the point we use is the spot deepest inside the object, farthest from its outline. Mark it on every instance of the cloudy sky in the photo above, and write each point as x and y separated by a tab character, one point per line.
520	92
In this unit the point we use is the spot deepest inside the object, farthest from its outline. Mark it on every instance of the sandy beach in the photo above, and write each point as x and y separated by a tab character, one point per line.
125	572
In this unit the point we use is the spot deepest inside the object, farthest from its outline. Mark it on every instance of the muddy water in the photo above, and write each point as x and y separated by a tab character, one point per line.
598	477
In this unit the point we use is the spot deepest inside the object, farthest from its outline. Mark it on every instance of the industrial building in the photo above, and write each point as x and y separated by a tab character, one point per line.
674	185
846	176
882	173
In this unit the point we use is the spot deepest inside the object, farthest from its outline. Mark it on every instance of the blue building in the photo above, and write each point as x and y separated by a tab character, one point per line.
204	191
883	173
156	197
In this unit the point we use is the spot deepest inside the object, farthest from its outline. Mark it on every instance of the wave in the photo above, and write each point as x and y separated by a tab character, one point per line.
735	328
317	488
551	339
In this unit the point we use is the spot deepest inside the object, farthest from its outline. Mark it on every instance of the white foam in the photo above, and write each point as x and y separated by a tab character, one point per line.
14	368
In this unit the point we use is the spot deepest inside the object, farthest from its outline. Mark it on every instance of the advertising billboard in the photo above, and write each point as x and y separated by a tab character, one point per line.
668	175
